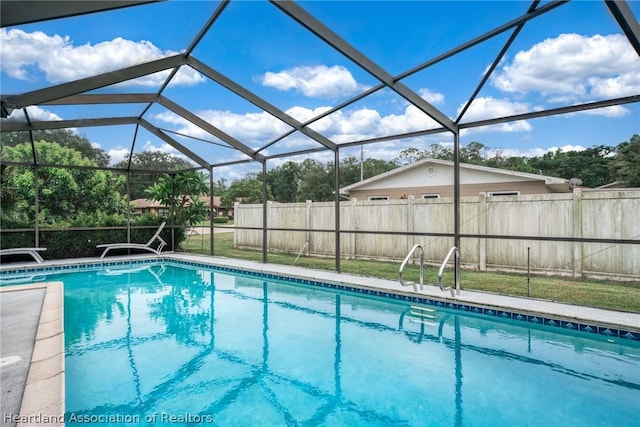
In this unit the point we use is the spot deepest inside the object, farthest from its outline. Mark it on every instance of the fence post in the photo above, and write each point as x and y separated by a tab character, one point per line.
307	224
36	214
577	232
236	206
411	226
353	226
482	229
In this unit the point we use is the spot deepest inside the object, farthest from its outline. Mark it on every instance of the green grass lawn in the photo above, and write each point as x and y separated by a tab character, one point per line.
591	293
205	223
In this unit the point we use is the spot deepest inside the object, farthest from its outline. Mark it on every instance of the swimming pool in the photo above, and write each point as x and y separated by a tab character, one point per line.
177	344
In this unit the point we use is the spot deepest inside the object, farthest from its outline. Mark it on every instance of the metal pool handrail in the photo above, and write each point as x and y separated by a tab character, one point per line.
409	255
453	250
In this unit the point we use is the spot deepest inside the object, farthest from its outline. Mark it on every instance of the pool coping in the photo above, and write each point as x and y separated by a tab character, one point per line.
611	323
43	397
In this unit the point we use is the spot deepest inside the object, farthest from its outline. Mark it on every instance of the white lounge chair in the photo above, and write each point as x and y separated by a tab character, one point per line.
25	251
147	246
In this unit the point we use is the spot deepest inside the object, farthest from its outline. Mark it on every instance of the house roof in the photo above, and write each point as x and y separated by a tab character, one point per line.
616	185
146	203
216	201
556	184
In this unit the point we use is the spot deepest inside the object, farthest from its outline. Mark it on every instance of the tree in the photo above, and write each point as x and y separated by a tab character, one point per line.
181	192
373	167
246	190
473	153
219	187
283	182
626	165
7	194
155	161
592	166
514	163
146	162
351	169
317	181
65	138
435	151
439	151
410	155
63	193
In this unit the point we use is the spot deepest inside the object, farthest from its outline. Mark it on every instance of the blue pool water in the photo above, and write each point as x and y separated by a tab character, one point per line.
184	345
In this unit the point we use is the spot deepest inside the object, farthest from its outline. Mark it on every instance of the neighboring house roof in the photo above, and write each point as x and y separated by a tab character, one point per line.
616	184
146	203
216	201
469	174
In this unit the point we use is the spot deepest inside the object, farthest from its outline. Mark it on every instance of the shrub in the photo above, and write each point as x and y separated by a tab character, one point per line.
78	243
220	219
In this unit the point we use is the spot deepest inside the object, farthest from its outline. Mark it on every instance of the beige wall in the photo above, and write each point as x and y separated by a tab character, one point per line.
152	211
466	190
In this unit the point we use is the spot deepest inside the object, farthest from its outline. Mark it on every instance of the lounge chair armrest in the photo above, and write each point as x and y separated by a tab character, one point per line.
161	245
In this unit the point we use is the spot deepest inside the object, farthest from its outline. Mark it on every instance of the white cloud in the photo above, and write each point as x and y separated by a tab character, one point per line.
318	81
342	126
303	114
35	114
566	148
26	56
614	111
163	148
617	86
573	67
410	121
488	108
532	152
118	154
364	123
434	98
255	129
249	128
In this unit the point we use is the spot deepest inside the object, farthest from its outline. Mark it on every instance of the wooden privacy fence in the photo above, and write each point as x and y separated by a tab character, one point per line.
610	214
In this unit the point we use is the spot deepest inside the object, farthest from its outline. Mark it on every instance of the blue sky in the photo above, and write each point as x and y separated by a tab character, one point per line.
573	54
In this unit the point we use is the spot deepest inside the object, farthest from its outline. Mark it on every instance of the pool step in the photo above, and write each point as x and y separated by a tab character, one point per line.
419	314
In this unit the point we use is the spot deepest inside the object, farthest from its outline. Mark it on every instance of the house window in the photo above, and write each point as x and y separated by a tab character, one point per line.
504	193
163	212
146	210
431	196
374	198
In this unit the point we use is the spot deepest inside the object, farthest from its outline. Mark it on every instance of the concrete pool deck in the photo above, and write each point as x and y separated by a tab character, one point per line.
42	391
32	318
